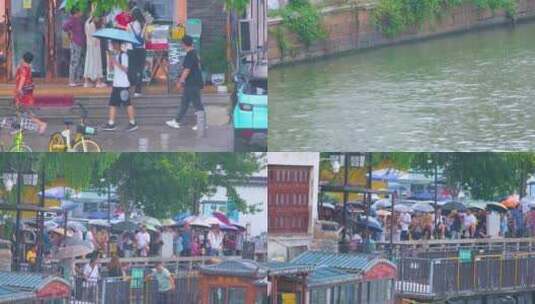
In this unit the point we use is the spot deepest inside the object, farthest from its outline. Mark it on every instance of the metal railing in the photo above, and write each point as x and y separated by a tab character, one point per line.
450	248
141	291
456	276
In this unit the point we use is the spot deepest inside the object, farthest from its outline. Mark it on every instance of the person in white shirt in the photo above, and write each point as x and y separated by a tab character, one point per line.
91	271
404	222
168	237
91	274
120	95
215	239
143	242
470	222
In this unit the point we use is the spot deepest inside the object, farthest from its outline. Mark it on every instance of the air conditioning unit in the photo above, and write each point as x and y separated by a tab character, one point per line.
246	37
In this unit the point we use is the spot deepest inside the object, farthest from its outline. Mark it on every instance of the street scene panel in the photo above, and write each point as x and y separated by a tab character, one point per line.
133	228
351	74
378	227
165	75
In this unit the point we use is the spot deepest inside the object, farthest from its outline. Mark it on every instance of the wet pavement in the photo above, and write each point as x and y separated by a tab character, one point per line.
152	135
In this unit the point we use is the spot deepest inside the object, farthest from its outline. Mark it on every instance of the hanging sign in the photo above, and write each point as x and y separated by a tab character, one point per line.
26	4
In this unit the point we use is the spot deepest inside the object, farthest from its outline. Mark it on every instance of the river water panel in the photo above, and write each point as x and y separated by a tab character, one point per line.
465	92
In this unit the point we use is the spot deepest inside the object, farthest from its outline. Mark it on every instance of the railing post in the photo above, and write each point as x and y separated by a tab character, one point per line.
431	273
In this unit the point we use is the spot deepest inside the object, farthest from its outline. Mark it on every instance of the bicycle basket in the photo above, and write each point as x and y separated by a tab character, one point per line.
28	124
85	130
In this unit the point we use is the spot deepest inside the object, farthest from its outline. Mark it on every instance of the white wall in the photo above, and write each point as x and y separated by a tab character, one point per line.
253	195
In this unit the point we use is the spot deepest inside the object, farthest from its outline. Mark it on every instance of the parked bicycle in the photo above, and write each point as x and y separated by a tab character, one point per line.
64	141
18	124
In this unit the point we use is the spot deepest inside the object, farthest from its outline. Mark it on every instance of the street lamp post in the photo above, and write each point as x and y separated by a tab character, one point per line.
22	178
40	220
103	180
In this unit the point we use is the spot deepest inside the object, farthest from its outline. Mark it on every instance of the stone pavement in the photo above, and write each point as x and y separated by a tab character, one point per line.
152	135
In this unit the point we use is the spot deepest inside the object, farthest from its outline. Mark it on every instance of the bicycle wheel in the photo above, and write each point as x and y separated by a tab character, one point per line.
20	148
90	146
57	143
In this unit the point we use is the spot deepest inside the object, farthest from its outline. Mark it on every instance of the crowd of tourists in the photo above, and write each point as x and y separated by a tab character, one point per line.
456	224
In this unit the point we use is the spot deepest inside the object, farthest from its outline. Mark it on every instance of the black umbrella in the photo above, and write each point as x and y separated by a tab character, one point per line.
124	226
453	205
498	207
372	224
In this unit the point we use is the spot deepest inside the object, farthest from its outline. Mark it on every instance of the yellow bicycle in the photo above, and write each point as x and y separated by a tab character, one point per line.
63	141
18	123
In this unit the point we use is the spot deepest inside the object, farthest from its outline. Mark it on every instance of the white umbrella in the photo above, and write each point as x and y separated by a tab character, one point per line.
102	223
401	208
148	220
198	221
423	207
382	204
73	248
77	226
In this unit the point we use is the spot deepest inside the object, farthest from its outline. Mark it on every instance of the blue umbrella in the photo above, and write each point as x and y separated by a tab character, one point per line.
372	224
96	215
116	34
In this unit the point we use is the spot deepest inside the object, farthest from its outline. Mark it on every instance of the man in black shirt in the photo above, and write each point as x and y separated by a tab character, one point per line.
191	81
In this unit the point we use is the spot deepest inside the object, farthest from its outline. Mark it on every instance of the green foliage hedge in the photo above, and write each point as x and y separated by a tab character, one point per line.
395	16
302	18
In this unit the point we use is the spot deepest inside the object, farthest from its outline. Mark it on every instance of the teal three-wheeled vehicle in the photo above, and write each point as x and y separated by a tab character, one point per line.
250	113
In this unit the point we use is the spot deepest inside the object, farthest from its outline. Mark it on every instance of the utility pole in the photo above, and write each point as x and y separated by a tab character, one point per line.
40	220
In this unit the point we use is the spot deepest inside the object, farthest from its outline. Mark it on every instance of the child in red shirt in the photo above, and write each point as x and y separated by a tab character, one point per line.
24	89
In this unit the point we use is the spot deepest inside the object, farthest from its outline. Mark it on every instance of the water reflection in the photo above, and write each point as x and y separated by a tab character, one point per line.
468	92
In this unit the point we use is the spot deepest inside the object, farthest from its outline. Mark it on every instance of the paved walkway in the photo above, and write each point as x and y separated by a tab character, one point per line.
152	112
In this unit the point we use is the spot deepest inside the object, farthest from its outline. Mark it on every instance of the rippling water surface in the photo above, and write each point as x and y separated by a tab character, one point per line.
467	92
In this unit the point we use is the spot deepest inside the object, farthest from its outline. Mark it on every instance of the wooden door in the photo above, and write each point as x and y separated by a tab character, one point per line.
289	190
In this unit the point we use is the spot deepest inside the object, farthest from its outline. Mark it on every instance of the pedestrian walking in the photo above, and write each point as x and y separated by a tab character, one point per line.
166	283
191	82
137	54
93	56
24	87
74	27
120	95
404	222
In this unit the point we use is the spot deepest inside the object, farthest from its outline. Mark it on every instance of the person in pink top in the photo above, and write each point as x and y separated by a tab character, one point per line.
74	26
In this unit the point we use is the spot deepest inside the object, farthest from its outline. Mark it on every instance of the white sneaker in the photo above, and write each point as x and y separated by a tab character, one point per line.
73	84
173	124
137	95
194	128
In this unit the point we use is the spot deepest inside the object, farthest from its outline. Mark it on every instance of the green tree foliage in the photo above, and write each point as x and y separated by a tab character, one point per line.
101	6
489	175
302	18
238	5
78	170
393	17
165	183
159	183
